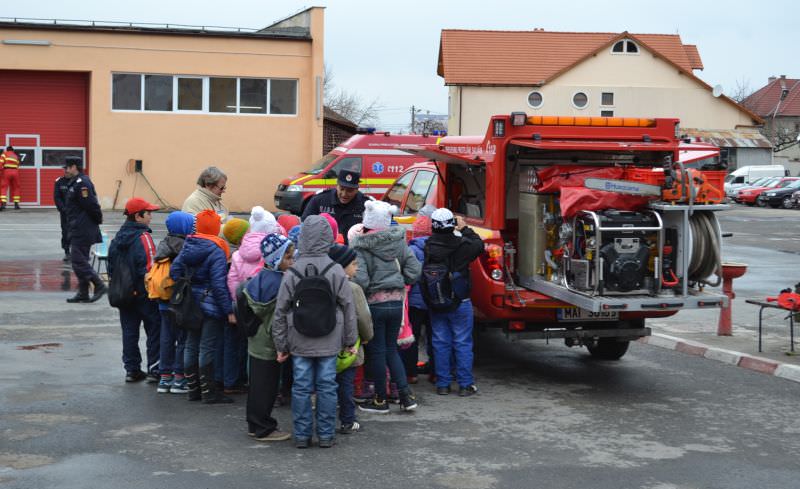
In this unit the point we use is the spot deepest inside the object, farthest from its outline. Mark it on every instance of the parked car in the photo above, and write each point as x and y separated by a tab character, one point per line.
747	175
750	196
796	199
779	197
761	182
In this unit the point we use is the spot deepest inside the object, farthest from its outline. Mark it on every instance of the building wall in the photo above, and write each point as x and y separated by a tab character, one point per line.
334	135
643	86
256	151
753	156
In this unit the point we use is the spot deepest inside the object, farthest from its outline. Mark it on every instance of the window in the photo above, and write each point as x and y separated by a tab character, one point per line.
466	189
252	96
580	100
190	93
625	46
606	113
222	96
27	157
283	97
607	99
127	92
57	157
157	92
398	190
419	192
535	100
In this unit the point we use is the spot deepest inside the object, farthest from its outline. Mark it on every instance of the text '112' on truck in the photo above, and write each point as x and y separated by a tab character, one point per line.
591	224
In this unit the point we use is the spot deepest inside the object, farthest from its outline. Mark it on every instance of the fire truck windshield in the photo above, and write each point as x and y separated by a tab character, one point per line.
321	164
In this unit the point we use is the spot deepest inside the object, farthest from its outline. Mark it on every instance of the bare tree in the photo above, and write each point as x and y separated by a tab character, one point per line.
349	104
742	91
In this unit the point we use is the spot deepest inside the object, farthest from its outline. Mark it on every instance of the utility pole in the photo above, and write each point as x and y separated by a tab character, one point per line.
414	112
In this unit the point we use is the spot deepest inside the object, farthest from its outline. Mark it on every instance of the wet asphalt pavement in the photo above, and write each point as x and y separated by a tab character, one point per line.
546	415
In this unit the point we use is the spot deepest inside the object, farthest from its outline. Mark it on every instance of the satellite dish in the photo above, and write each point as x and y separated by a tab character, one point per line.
717	90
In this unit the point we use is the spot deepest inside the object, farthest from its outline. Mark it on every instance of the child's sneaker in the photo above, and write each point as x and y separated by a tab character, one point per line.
379	406
164	384
349	428
408	402
179	385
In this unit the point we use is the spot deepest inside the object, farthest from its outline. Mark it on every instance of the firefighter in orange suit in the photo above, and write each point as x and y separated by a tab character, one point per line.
10	163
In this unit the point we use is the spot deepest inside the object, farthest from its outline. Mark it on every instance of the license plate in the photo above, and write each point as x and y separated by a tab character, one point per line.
577	314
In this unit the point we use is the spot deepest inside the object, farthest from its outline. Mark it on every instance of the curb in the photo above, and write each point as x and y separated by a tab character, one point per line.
758	364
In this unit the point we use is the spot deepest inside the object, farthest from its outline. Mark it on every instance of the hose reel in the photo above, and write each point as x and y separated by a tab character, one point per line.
706	248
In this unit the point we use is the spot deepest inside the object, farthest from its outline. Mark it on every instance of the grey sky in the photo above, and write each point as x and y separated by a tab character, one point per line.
388	50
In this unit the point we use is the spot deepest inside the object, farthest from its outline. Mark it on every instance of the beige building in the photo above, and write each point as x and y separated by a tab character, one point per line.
581	74
176	99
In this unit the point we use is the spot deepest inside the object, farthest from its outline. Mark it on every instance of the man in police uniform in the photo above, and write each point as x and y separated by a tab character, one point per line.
344	203
84	218
60	191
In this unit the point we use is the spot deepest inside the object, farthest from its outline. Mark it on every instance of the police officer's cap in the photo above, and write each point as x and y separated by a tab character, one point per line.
73	160
348	178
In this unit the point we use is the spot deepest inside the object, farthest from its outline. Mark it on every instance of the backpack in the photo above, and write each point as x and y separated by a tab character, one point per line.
122	287
314	303
442	289
157	281
183	308
246	319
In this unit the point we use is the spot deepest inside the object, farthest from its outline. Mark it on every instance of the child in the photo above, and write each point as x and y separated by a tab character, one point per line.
417	310
133	247
452	329
205	257
179	225
386	266
314	355
346	257
278	255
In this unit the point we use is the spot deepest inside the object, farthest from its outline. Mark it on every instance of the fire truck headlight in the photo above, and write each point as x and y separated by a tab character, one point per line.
497	274
294	188
499	128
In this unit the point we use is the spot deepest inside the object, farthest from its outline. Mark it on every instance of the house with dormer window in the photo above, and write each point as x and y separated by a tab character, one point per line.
590	74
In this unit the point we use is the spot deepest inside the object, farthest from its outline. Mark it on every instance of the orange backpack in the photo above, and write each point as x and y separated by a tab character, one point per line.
157	281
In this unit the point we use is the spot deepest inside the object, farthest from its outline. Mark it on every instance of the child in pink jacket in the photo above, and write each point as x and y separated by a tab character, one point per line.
247	261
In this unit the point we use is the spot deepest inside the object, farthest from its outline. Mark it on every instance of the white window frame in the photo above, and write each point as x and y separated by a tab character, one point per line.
206	95
625	48
572	99
528	98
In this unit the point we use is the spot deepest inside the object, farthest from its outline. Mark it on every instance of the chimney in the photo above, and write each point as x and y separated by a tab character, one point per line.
771	79
783	77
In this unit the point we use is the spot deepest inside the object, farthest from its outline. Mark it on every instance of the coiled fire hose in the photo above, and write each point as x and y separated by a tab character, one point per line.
706	250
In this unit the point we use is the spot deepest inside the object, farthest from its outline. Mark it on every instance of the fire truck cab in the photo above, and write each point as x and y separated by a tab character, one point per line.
591	224
374	155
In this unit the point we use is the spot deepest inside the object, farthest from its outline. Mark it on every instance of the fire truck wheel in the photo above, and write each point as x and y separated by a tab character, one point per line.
609	349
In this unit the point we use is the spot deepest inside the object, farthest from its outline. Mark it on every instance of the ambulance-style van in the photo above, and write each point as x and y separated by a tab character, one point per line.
374	153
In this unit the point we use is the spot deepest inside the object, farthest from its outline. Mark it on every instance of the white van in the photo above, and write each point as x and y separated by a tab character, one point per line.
745	175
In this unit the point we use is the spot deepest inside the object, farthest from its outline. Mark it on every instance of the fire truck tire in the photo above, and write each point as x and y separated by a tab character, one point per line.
609	349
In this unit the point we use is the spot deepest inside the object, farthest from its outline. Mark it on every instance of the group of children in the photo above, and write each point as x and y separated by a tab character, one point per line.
314	313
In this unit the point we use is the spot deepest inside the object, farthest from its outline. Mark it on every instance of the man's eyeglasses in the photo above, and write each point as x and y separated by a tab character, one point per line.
221	188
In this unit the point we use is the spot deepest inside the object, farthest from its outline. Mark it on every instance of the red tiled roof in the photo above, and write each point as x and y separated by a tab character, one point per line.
515	58
765	101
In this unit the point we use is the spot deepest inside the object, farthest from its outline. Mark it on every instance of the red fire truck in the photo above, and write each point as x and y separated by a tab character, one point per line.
373	154
591	224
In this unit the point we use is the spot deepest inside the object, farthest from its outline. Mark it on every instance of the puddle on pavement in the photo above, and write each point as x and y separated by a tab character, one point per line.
36	276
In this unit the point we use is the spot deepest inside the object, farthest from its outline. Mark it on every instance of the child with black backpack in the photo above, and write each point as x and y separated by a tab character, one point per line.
445	287
130	257
314	320
258	294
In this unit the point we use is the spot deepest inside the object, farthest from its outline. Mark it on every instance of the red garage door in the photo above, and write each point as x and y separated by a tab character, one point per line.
43	114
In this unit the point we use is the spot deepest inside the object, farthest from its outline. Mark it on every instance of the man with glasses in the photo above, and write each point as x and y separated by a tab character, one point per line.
345	203
211	184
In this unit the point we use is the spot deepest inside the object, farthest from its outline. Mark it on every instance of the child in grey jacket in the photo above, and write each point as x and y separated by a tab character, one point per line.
314	358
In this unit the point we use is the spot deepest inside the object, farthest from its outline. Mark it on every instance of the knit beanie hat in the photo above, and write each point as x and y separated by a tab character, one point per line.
378	214
294	234
443	221
262	220
332	222
208	222
181	223
421	227
288	221
234	230
342	255
273	247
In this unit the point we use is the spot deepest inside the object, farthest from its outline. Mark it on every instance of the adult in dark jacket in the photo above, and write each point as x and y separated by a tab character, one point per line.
345	203
133	247
173	339
60	191
84	218
385	267
205	256
456	245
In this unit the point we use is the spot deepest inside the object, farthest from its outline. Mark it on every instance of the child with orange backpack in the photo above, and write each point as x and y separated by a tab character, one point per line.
159	287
